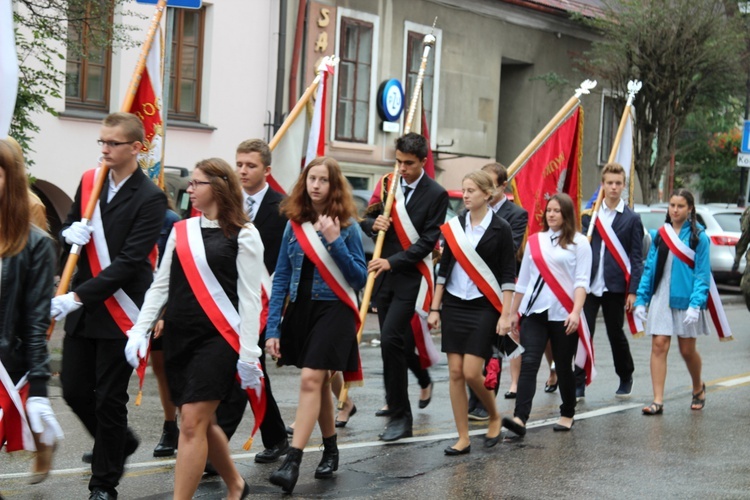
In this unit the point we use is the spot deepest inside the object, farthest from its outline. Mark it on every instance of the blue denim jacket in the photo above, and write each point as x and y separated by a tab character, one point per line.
346	251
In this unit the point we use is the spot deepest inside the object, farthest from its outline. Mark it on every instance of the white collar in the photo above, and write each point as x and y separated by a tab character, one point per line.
619	208
484	224
257	197
208	223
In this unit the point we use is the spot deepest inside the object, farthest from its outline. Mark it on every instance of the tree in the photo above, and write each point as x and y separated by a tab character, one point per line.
42	40
684	51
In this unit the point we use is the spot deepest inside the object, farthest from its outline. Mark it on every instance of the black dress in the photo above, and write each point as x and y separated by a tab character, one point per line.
468	326
318	334
200	365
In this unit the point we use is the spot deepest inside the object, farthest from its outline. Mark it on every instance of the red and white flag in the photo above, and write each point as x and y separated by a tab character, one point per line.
15	431
147	105
8	67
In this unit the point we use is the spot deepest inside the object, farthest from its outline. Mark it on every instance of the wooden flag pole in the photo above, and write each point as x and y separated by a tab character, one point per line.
428	42
633	88
296	110
75	250
549	129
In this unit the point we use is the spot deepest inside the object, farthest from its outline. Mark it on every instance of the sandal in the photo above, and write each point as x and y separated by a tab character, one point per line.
653	409
699	403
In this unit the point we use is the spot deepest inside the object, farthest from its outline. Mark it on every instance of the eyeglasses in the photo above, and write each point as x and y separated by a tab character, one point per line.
195	184
112	144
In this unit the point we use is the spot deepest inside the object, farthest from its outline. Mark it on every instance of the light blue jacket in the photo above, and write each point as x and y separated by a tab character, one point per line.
688	287
346	251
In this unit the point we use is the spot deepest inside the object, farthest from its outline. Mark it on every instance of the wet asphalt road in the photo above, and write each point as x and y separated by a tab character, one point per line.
612	452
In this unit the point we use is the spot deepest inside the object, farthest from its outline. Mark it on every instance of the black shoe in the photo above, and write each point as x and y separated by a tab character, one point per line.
87	457
272	454
330	461
510	395
100	494
383	412
479	414
209	470
580	392
169	437
562	428
342	423
245	491
424	402
397	428
288	473
131	444
452	452
490	442
514	426
289	431
550	388
625	389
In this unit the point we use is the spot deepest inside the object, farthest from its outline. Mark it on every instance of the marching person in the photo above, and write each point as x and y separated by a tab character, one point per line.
27	265
261	204
208	280
476	277
616	268
420	206
550	292
114	272
321	267
677	294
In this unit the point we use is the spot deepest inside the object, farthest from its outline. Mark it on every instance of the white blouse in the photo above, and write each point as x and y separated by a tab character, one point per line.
459	283
576	260
249	258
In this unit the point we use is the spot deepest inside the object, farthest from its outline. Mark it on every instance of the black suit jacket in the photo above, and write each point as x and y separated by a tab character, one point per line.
629	230
426	208
495	248
132	223
518	218
270	223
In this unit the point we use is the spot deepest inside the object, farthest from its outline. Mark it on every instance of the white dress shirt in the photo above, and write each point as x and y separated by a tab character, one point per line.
499	204
413	186
114	188
459	283
576	260
257	199
607	215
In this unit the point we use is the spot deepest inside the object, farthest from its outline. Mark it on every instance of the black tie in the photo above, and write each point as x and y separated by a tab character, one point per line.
407	190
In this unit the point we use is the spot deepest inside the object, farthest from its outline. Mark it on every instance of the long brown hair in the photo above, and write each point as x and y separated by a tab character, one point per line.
568	229
15	213
339	203
227	193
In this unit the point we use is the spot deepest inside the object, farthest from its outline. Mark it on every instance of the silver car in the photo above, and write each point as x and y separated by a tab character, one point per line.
722	223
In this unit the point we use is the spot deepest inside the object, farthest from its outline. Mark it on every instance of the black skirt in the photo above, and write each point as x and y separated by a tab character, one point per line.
318	334
468	326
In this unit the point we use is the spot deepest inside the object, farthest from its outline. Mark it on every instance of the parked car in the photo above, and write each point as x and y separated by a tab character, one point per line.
722	223
176	182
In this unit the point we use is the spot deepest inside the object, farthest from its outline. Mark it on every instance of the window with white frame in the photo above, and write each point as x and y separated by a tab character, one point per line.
355	87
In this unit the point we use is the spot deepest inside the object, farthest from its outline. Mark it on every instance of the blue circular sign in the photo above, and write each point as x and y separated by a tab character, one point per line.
390	100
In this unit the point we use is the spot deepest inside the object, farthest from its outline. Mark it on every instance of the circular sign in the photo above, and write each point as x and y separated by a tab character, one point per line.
390	100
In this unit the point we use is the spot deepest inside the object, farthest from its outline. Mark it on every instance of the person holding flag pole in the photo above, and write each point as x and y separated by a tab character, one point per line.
616	235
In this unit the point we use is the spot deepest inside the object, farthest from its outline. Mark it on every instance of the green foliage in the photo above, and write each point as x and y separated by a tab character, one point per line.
554	81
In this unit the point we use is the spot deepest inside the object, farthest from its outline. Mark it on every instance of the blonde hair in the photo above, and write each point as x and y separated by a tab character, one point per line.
483	181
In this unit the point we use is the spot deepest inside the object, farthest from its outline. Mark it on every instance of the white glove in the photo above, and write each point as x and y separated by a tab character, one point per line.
640	313
78	233
691	316
62	305
251	374
136	348
42	420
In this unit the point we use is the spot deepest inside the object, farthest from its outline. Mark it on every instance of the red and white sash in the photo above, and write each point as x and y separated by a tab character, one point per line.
407	235
612	242
314	250
561	284
213	299
471	262
687	255
15	431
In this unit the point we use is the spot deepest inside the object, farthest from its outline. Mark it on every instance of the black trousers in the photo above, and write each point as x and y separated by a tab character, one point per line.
395	301
232	408
95	378
536	329
613	309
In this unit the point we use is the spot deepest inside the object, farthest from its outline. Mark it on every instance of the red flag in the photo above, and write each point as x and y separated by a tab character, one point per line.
555	167
15	432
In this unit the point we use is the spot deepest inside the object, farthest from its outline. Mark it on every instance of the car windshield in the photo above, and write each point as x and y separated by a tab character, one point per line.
653	220
729	221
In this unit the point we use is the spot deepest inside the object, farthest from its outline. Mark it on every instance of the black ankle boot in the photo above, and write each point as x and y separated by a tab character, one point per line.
169	438
287	475
330	461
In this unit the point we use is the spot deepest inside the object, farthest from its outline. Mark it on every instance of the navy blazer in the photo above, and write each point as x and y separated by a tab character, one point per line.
518	218
270	223
495	248
629	230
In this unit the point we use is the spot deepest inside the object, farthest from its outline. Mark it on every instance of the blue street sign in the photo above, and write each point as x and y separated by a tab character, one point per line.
746	137
180	4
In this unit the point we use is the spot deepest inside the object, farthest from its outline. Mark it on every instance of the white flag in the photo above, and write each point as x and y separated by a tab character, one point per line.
8	67
624	155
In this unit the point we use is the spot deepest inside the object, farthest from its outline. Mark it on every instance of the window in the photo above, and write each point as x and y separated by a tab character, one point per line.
186	65
414	51
354	80
87	71
609	123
